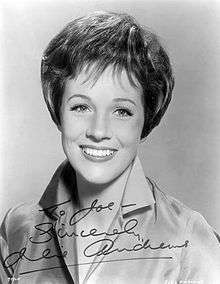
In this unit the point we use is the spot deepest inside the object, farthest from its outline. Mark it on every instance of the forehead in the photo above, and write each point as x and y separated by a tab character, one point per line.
109	82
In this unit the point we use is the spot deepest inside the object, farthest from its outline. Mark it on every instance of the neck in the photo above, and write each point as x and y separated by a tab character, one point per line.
105	193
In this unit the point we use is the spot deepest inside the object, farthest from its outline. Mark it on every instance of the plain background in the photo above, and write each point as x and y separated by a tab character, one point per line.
182	154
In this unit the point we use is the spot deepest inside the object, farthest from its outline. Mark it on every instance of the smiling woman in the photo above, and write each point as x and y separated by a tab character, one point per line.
101	125
107	82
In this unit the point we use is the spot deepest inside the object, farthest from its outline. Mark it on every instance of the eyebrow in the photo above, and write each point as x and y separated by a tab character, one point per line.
88	98
79	96
122	100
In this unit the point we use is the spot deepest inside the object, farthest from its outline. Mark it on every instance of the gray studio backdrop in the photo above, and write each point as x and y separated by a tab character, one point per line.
182	154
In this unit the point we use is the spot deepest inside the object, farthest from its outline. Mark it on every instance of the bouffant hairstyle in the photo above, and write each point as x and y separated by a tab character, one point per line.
105	39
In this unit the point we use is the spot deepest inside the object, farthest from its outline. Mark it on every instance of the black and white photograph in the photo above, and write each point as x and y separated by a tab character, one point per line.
109	142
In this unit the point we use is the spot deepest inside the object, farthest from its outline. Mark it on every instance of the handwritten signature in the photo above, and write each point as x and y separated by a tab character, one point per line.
108	247
46	232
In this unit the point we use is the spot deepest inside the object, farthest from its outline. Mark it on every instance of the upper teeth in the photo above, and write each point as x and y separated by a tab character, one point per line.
98	153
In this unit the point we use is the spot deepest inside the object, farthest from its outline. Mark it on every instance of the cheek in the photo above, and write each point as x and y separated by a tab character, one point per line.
129	134
72	129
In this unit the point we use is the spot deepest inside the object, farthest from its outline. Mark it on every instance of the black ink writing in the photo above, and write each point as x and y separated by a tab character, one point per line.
14	257
107	247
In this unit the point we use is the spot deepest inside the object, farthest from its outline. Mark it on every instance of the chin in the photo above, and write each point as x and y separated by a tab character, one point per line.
100	173
98	177
98	180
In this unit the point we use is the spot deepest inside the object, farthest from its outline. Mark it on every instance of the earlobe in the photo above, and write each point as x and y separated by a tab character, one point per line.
59	127
143	139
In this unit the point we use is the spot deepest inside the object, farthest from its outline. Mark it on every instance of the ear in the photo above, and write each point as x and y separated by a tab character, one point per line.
143	139
59	127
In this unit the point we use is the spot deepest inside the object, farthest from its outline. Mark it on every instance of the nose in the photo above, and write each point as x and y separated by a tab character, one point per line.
99	128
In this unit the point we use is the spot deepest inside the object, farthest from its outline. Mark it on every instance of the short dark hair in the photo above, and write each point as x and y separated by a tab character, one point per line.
102	39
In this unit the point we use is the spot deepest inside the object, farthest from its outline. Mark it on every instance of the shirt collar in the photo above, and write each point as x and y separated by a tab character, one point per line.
61	189
138	192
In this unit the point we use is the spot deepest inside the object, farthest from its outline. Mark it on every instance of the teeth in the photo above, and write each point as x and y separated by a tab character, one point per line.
97	153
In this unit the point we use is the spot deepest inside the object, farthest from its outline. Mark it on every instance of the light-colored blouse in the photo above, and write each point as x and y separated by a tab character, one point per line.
153	238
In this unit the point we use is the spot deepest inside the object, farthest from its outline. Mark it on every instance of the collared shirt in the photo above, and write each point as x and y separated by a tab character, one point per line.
153	238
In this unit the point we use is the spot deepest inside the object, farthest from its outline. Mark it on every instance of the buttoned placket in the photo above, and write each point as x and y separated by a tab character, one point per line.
117	222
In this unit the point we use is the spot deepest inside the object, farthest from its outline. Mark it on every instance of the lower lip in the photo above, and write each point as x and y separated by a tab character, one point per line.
98	158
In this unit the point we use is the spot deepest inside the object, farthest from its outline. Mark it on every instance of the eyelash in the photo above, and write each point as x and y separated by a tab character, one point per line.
81	108
124	112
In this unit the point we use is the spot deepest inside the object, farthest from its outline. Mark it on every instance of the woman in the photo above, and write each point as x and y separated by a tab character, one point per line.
107	83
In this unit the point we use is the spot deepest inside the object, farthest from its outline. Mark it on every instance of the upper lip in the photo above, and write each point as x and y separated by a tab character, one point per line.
98	148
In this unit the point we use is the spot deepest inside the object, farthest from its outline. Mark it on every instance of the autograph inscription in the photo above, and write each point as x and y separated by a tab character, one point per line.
107	248
47	231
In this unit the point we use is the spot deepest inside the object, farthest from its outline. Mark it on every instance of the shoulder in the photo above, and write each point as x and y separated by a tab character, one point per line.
176	213
171	209
18	222
204	242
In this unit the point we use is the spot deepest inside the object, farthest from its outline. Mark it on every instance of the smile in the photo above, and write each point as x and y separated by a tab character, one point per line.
98	154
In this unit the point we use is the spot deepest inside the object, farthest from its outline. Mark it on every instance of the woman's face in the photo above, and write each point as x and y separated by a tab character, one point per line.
101	125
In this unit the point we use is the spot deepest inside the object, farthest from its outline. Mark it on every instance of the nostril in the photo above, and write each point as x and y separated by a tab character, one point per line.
98	134
95	137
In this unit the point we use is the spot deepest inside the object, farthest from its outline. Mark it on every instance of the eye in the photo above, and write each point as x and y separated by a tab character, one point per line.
79	108
123	112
